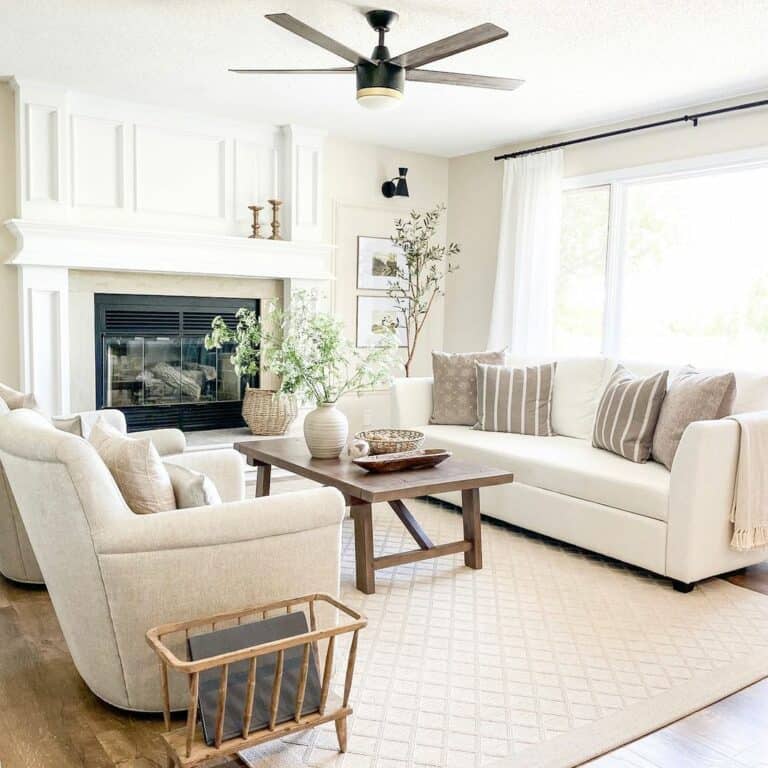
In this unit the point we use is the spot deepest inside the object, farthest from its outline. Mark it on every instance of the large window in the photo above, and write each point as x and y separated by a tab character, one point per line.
670	268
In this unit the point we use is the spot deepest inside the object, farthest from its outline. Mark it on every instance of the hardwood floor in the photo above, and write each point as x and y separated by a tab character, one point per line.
49	719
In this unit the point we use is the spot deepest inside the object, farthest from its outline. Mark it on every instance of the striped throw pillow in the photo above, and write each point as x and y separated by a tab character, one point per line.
515	399
627	414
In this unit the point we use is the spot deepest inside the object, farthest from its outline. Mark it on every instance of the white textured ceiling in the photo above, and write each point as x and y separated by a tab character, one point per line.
586	62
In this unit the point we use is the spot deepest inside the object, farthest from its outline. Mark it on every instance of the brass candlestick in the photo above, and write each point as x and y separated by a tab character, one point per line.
256	226
275	223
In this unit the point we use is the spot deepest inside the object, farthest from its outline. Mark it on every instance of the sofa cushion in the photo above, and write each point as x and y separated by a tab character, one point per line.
751	392
564	465
136	467
515	399
454	393
190	488
15	399
627	414
692	396
579	383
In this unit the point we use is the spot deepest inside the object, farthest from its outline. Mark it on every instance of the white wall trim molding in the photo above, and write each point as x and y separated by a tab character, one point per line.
688	166
44	336
301	175
51	244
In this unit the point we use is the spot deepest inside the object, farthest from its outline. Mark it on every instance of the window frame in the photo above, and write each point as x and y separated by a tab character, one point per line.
618	181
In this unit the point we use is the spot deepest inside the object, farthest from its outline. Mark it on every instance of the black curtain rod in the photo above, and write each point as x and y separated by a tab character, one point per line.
621	131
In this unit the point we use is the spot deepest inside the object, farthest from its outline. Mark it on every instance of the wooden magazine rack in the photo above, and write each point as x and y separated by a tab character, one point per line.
186	747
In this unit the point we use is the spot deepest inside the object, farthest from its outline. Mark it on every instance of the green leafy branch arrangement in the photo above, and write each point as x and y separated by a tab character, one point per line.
307	350
415	286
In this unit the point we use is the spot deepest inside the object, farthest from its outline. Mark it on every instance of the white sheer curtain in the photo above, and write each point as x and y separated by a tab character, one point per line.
522	316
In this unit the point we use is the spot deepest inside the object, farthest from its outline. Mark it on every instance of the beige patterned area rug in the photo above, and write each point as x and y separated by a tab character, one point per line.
545	658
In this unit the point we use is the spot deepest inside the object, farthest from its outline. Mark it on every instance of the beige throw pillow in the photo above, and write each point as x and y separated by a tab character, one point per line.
515	399
191	489
15	399
71	424
135	464
692	396
454	389
627	414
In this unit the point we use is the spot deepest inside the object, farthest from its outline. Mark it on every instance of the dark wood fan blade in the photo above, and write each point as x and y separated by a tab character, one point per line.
286	21
455	78
333	71
448	46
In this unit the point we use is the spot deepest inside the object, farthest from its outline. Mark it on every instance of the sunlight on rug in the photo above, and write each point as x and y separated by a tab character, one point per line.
546	657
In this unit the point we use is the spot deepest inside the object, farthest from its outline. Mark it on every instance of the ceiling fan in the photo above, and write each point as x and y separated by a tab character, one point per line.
380	76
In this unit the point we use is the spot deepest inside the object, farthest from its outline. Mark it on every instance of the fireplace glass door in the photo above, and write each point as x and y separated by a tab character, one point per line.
167	370
153	365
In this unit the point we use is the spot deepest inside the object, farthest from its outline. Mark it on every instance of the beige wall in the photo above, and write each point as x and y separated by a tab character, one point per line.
9	352
474	199
355	206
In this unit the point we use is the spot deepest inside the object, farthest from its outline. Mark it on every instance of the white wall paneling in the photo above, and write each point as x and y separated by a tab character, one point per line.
44	326
179	173
98	162
41	132
256	181
302	182
90	160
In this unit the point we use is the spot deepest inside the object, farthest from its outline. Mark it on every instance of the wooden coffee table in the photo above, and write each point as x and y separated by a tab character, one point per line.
362	489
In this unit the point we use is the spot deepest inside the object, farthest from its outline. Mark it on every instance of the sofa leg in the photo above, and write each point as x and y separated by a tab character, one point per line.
682	586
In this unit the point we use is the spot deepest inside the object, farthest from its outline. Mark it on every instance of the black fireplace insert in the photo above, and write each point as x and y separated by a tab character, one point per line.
152	364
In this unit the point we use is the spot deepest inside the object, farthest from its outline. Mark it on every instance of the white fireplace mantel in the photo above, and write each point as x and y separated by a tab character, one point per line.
47	251
46	244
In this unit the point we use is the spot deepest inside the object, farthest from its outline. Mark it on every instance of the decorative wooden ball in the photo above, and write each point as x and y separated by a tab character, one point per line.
358	448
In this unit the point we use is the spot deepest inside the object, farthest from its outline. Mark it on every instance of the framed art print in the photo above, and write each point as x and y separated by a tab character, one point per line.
372	311
376	256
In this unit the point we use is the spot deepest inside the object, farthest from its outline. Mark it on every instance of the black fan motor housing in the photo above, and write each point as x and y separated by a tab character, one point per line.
381	75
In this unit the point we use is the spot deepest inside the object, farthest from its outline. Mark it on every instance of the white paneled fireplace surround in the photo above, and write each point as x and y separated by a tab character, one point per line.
131	197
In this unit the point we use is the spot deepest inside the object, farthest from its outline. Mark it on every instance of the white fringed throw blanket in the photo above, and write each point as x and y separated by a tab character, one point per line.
749	513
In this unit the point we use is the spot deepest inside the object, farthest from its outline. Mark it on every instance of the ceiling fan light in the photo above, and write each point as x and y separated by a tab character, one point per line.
379	98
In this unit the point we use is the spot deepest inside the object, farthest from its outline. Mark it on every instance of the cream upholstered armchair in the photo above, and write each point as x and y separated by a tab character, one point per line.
17	560
112	574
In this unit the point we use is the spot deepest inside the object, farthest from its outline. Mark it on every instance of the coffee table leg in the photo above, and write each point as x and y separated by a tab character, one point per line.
263	478
470	512
362	514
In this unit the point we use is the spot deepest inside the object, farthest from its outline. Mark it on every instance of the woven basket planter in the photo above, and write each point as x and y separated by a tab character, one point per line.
267	413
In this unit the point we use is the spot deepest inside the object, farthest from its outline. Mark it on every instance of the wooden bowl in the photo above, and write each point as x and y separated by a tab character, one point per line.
391	440
396	462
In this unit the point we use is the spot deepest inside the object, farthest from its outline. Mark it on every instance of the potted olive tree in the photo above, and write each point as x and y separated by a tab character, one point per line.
419	279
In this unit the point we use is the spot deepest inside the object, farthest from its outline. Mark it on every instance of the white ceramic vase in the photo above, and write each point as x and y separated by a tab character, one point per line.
325	430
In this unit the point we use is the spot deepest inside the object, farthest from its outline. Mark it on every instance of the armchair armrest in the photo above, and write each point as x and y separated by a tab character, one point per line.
700	496
224	466
411	401
167	441
223	524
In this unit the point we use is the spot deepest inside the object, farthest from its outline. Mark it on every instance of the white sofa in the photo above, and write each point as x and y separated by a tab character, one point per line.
112	574
672	523
17	560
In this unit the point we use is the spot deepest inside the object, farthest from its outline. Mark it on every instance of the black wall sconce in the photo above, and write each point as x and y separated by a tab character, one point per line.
397	187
